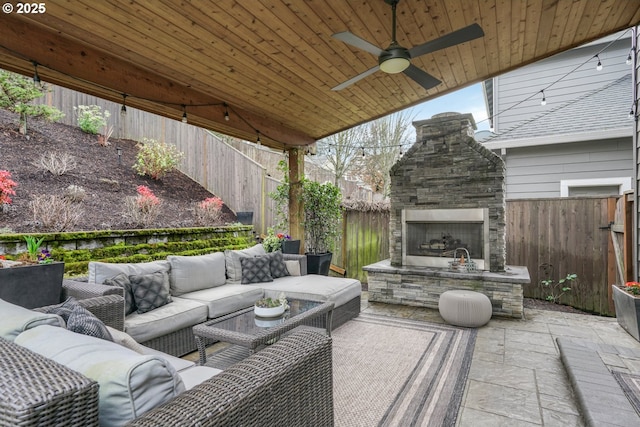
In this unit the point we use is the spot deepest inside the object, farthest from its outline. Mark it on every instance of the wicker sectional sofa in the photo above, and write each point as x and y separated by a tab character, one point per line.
210	286
288	383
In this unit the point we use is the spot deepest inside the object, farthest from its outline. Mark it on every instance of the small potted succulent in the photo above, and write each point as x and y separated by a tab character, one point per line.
271	307
627	303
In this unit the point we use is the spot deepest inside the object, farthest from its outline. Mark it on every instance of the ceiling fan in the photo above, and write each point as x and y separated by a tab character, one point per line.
397	59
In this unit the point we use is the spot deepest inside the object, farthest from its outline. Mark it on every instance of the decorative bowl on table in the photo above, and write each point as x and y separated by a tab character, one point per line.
269	311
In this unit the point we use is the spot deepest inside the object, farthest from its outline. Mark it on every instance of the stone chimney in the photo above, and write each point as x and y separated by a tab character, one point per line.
448	169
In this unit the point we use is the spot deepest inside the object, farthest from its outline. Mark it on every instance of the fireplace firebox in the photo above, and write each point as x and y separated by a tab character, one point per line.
434	237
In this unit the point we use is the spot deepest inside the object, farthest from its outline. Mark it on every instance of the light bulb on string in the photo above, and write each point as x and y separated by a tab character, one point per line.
362	148
628	61
184	113
544	99
258	139
123	109
36	77
226	112
599	65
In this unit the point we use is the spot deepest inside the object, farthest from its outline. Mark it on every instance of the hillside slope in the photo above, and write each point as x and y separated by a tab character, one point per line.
106	179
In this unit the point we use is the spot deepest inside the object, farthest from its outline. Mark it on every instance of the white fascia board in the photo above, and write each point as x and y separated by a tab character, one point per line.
560	139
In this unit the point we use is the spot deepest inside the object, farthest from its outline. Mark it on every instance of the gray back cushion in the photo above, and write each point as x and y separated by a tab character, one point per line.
100	271
194	273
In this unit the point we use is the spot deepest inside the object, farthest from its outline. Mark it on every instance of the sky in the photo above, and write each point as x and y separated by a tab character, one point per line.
467	100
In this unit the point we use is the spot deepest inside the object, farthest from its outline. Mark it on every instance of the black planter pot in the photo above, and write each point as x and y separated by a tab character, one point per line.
627	311
319	263
32	286
245	218
291	247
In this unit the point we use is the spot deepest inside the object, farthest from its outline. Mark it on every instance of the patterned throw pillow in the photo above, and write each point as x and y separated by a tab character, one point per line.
122	280
80	320
150	291
276	265
256	269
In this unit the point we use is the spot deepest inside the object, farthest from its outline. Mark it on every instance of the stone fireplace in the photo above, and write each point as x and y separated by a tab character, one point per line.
447	222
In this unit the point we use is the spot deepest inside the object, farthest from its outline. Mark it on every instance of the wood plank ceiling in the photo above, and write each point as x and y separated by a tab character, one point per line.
274	62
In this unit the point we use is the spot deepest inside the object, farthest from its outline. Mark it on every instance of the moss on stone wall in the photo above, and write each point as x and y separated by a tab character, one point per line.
77	249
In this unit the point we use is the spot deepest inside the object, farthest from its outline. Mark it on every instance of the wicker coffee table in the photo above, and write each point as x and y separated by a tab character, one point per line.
243	328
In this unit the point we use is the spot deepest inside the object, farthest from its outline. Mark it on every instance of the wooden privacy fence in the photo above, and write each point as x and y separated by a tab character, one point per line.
573	236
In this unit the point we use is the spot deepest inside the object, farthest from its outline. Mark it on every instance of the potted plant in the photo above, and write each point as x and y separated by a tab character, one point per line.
271	307
627	304
280	241
34	279
322	224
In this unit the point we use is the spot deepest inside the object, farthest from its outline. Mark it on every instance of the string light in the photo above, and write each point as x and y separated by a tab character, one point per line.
184	113
628	61
544	99
258	139
362	148
631	112
36	77
123	109
599	65
226	112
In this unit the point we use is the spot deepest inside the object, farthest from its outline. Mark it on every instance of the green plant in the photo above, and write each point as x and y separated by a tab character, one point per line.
33	247
631	287
280	196
16	93
268	302
91	118
555	290
322	216
156	158
273	241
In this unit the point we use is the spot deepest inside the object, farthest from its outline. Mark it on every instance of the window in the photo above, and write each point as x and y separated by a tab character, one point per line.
594	187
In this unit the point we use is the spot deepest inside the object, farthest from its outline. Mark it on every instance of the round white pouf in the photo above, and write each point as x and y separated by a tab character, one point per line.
465	308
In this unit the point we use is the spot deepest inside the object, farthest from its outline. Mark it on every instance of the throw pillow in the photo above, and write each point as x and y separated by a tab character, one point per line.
150	291
80	320
293	267
232	261
277	265
122	280
99	271
256	270
194	273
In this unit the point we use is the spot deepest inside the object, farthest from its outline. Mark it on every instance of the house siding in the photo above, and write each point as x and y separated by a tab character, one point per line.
512	88
536	172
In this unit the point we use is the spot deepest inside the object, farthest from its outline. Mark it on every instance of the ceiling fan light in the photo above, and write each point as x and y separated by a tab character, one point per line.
394	65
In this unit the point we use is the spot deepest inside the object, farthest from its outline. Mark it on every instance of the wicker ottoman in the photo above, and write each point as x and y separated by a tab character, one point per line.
465	308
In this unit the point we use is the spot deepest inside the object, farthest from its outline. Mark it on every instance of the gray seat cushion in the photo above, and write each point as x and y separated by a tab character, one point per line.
226	299
339	290
164	320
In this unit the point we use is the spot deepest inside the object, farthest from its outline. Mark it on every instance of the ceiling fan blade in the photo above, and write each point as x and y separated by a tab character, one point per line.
421	77
462	35
360	76
355	41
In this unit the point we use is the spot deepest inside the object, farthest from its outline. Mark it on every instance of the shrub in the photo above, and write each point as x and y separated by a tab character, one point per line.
7	186
56	163
54	213
156	158
209	211
75	193
91	118
16	93
144	208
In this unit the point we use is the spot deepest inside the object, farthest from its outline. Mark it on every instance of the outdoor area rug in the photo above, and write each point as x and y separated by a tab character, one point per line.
630	384
397	372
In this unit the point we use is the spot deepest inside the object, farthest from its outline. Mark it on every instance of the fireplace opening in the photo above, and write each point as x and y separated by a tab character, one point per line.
435	237
443	239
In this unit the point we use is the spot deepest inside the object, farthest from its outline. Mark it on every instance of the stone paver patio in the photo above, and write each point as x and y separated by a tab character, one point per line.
517	377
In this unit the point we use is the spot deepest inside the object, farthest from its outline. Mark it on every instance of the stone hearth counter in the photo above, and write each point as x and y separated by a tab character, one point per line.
422	286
